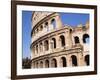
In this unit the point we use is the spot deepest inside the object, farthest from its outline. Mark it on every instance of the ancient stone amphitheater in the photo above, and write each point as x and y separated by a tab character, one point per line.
58	45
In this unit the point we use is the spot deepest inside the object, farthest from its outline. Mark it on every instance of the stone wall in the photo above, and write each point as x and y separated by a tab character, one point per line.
58	45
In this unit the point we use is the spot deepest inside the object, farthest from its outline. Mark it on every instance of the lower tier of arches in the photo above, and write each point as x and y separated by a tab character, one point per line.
65	60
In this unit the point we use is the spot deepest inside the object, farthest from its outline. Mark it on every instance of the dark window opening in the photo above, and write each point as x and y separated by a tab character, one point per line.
46	26
41	28
76	40
37	48
46	23
54	42
62	40
85	38
46	44
74	60
47	64
37	65
87	60
54	63
41	47
41	64
63	62
53	22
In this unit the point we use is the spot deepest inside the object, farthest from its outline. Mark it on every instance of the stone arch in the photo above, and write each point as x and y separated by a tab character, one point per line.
62	39
46	26
37	29
63	62
33	65
47	64
74	60
54	42
76	39
85	38
36	48
87	57
46	45
41	47
37	64
53	22
41	64
41	27
54	62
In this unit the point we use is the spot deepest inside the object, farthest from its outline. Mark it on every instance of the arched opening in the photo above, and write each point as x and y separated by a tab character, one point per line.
46	45
33	65
46	26
86	38
53	22
53	63
36	48
74	60
41	47
63	62
41	64
62	38
37	65
76	39
54	42
47	64
41	28
87	60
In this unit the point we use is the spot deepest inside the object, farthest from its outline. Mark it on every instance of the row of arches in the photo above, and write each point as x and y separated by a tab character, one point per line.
52	43
44	46
46	25
63	62
85	39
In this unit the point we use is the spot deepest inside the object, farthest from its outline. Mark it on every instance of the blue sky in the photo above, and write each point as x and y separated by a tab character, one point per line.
72	19
26	32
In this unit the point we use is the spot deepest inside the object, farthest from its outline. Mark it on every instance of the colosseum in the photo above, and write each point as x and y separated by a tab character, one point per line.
54	44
